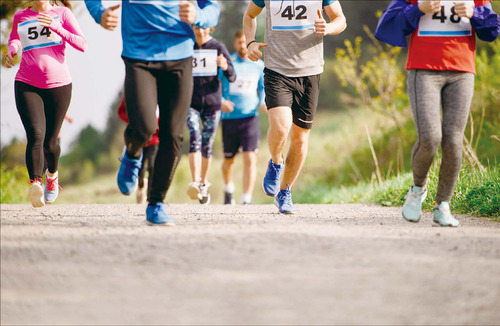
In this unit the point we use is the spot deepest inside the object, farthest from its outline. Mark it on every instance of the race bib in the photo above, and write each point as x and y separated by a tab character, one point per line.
205	63
243	85
35	36
445	22
292	15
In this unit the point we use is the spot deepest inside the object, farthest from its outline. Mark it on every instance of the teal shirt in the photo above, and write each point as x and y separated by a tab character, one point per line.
247	91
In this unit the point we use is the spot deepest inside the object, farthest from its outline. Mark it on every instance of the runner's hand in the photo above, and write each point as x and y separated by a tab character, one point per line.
187	12
320	25
463	10
254	52
227	106
263	107
429	6
222	62
109	18
45	20
9	61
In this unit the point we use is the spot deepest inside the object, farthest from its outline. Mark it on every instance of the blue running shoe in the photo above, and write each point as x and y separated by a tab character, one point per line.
443	217
271	184
284	201
156	215
128	174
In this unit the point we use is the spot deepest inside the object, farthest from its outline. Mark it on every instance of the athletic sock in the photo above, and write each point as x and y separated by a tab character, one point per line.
246	198
229	188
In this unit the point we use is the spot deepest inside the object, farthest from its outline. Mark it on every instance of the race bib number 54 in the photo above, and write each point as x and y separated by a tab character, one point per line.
35	36
291	15
445	22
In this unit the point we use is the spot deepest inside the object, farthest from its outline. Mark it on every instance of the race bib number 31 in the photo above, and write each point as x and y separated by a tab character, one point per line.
445	22
35	36
292	15
204	63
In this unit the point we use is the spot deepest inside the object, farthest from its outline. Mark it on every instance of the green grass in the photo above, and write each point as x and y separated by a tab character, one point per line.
476	193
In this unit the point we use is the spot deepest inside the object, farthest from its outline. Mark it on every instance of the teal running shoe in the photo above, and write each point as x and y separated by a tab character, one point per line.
283	201
271	183
443	217
156	215
412	208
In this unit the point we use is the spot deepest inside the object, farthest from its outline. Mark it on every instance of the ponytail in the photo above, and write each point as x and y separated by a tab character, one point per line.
65	3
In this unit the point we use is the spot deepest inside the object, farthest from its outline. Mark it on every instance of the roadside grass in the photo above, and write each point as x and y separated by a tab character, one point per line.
476	193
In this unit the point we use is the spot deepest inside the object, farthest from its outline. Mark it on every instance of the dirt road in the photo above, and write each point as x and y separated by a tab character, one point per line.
329	264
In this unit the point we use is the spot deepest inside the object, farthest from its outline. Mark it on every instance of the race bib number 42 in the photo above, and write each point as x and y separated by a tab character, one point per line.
205	63
445	22
292	15
35	36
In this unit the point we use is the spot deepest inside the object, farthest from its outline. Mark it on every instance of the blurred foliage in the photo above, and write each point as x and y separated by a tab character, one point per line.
13	184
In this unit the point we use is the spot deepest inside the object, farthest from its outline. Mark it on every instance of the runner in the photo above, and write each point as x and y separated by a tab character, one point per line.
240	121
293	64
211	58
148	159
43	87
157	50
441	64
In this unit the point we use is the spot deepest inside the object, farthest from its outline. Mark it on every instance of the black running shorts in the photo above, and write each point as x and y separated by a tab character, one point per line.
298	93
244	133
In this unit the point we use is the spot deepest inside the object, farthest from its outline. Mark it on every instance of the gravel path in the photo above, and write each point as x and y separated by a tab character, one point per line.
329	264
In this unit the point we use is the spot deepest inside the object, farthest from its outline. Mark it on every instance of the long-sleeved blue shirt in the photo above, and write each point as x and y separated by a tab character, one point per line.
152	29
247	92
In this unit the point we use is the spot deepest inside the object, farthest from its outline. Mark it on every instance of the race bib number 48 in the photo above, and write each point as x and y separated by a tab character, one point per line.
35	36
445	22
205	63
291	15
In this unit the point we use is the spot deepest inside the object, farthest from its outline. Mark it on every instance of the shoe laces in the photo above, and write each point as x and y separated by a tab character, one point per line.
276	168
51	183
413	199
39	181
204	188
286	195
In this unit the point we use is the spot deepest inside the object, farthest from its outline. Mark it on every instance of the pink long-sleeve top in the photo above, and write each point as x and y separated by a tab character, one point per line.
43	62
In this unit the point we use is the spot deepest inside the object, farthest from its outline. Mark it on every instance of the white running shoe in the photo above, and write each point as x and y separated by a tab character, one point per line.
412	208
35	193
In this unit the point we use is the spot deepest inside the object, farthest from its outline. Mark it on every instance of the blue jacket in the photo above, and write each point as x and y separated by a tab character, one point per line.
152	29
402	18
246	104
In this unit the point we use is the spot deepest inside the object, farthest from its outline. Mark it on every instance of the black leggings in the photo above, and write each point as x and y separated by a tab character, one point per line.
42	112
148	164
169	85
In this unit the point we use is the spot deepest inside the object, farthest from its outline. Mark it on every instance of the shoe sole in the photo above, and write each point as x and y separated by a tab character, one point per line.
194	193
160	224
437	224
207	202
411	221
266	192
284	213
35	195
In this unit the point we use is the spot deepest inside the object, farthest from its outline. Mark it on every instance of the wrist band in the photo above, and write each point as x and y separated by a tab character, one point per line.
250	43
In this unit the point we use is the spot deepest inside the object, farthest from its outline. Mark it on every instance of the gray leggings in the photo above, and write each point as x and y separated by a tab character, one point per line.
428	90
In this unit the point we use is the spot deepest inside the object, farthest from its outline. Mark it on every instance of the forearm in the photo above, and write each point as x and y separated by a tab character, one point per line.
207	14
249	27
95	9
336	26
70	33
